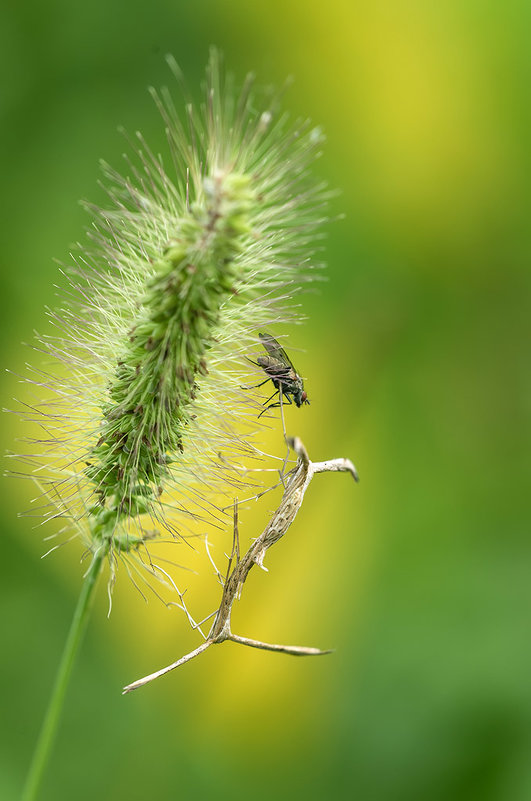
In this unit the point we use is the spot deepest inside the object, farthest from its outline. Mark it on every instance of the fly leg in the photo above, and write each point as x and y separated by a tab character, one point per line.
272	405
275	405
255	386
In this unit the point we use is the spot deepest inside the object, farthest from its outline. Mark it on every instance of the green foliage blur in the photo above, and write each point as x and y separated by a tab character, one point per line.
416	355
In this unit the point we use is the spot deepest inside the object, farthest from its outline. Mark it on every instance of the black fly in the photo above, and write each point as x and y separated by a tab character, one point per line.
280	370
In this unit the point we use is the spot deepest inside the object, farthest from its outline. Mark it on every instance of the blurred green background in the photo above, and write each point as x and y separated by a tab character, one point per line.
417	363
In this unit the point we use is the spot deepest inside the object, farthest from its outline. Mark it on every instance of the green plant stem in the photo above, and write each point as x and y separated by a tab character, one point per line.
53	713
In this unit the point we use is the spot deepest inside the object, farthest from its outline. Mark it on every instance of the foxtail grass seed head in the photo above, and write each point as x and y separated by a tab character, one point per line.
142	416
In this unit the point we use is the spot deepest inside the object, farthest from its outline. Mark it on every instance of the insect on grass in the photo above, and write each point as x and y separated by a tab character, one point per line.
280	370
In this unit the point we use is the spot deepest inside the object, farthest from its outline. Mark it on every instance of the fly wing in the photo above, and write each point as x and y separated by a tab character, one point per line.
275	350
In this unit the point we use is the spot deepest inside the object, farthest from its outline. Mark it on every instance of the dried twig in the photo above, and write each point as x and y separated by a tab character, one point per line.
297	481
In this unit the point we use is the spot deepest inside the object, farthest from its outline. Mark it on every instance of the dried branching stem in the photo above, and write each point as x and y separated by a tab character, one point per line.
238	569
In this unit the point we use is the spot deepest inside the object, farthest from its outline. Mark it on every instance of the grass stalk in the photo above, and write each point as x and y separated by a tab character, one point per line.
50	724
